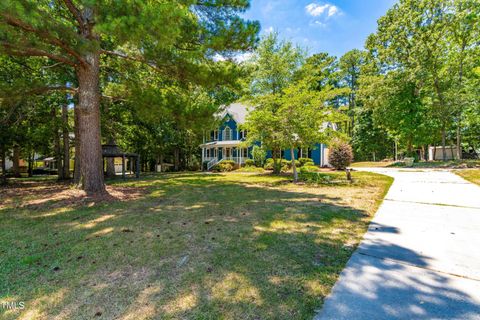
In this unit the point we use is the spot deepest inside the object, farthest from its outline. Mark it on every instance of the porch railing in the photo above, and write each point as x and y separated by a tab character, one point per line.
212	163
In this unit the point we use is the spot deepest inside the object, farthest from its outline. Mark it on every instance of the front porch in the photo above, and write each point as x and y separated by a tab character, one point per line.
214	152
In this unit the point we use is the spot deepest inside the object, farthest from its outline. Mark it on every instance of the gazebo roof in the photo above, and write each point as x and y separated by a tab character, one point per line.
112	150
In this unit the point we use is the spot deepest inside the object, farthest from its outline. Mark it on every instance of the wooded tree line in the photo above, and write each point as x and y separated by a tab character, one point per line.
418	83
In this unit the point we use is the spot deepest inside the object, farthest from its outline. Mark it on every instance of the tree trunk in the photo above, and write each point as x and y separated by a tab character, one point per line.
459	142
91	168
30	164
444	138
16	162
277	162
176	159
76	163
58	148
66	143
294	166
3	158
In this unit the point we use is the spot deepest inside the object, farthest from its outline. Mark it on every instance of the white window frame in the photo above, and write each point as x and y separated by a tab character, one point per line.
229	136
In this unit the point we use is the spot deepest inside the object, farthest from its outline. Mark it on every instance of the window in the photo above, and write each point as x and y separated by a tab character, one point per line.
215	135
245	152
227	134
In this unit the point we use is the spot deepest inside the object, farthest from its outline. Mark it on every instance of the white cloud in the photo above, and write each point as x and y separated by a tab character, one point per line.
317	10
242	57
269	30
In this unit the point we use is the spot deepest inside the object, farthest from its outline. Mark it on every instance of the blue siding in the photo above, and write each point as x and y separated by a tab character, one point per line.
288	155
316	152
232	125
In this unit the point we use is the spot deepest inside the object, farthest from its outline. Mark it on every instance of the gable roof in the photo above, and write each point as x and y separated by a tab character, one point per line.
237	111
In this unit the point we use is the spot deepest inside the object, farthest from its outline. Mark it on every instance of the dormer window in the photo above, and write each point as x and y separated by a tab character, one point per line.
227	134
215	135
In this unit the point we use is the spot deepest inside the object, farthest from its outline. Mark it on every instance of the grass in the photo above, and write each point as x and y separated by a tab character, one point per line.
180	246
422	164
371	164
472	175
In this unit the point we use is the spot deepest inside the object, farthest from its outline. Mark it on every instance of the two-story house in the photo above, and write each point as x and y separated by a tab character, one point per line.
225	143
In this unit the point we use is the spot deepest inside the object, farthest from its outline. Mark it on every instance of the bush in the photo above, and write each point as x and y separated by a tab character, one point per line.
303	161
259	155
268	166
341	155
249	163
315	177
224	166
308	168
308	164
288	163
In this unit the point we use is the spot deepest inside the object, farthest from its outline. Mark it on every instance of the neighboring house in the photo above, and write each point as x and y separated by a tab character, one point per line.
224	143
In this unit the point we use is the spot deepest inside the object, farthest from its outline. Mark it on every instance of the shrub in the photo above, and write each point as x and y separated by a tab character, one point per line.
224	166
259	155
308	164
308	168
303	161
268	165
288	163
249	163
341	155
315	177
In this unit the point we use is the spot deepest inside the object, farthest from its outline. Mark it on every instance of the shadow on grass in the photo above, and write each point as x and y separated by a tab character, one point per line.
194	246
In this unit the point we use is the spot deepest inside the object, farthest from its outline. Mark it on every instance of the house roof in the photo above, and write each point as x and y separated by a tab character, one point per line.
237	111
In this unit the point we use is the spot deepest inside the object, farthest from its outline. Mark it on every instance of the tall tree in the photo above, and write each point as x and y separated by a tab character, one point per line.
178	38
274	66
350	67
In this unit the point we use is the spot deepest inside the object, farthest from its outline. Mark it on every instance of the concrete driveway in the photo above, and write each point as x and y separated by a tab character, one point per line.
420	258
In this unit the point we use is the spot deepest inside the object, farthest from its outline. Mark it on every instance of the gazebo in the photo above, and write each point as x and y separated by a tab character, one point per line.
114	151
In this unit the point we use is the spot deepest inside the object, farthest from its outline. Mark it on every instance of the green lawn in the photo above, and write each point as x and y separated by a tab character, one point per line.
371	164
422	164
180	246
472	175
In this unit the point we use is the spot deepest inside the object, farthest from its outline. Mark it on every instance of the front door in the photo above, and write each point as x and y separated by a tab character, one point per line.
220	153
228	153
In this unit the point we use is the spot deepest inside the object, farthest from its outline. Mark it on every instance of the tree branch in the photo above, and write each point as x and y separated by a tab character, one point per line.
75	12
34	52
136	59
41	90
15	22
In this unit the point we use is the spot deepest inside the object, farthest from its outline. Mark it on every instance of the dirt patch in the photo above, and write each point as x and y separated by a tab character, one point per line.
35	195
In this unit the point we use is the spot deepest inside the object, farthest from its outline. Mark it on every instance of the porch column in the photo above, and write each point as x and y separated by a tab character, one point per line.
203	155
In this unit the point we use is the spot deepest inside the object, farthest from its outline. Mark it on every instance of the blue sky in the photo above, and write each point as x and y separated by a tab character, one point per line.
336	26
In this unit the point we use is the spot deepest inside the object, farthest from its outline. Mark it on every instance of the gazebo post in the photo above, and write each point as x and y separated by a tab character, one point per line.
137	167
123	166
